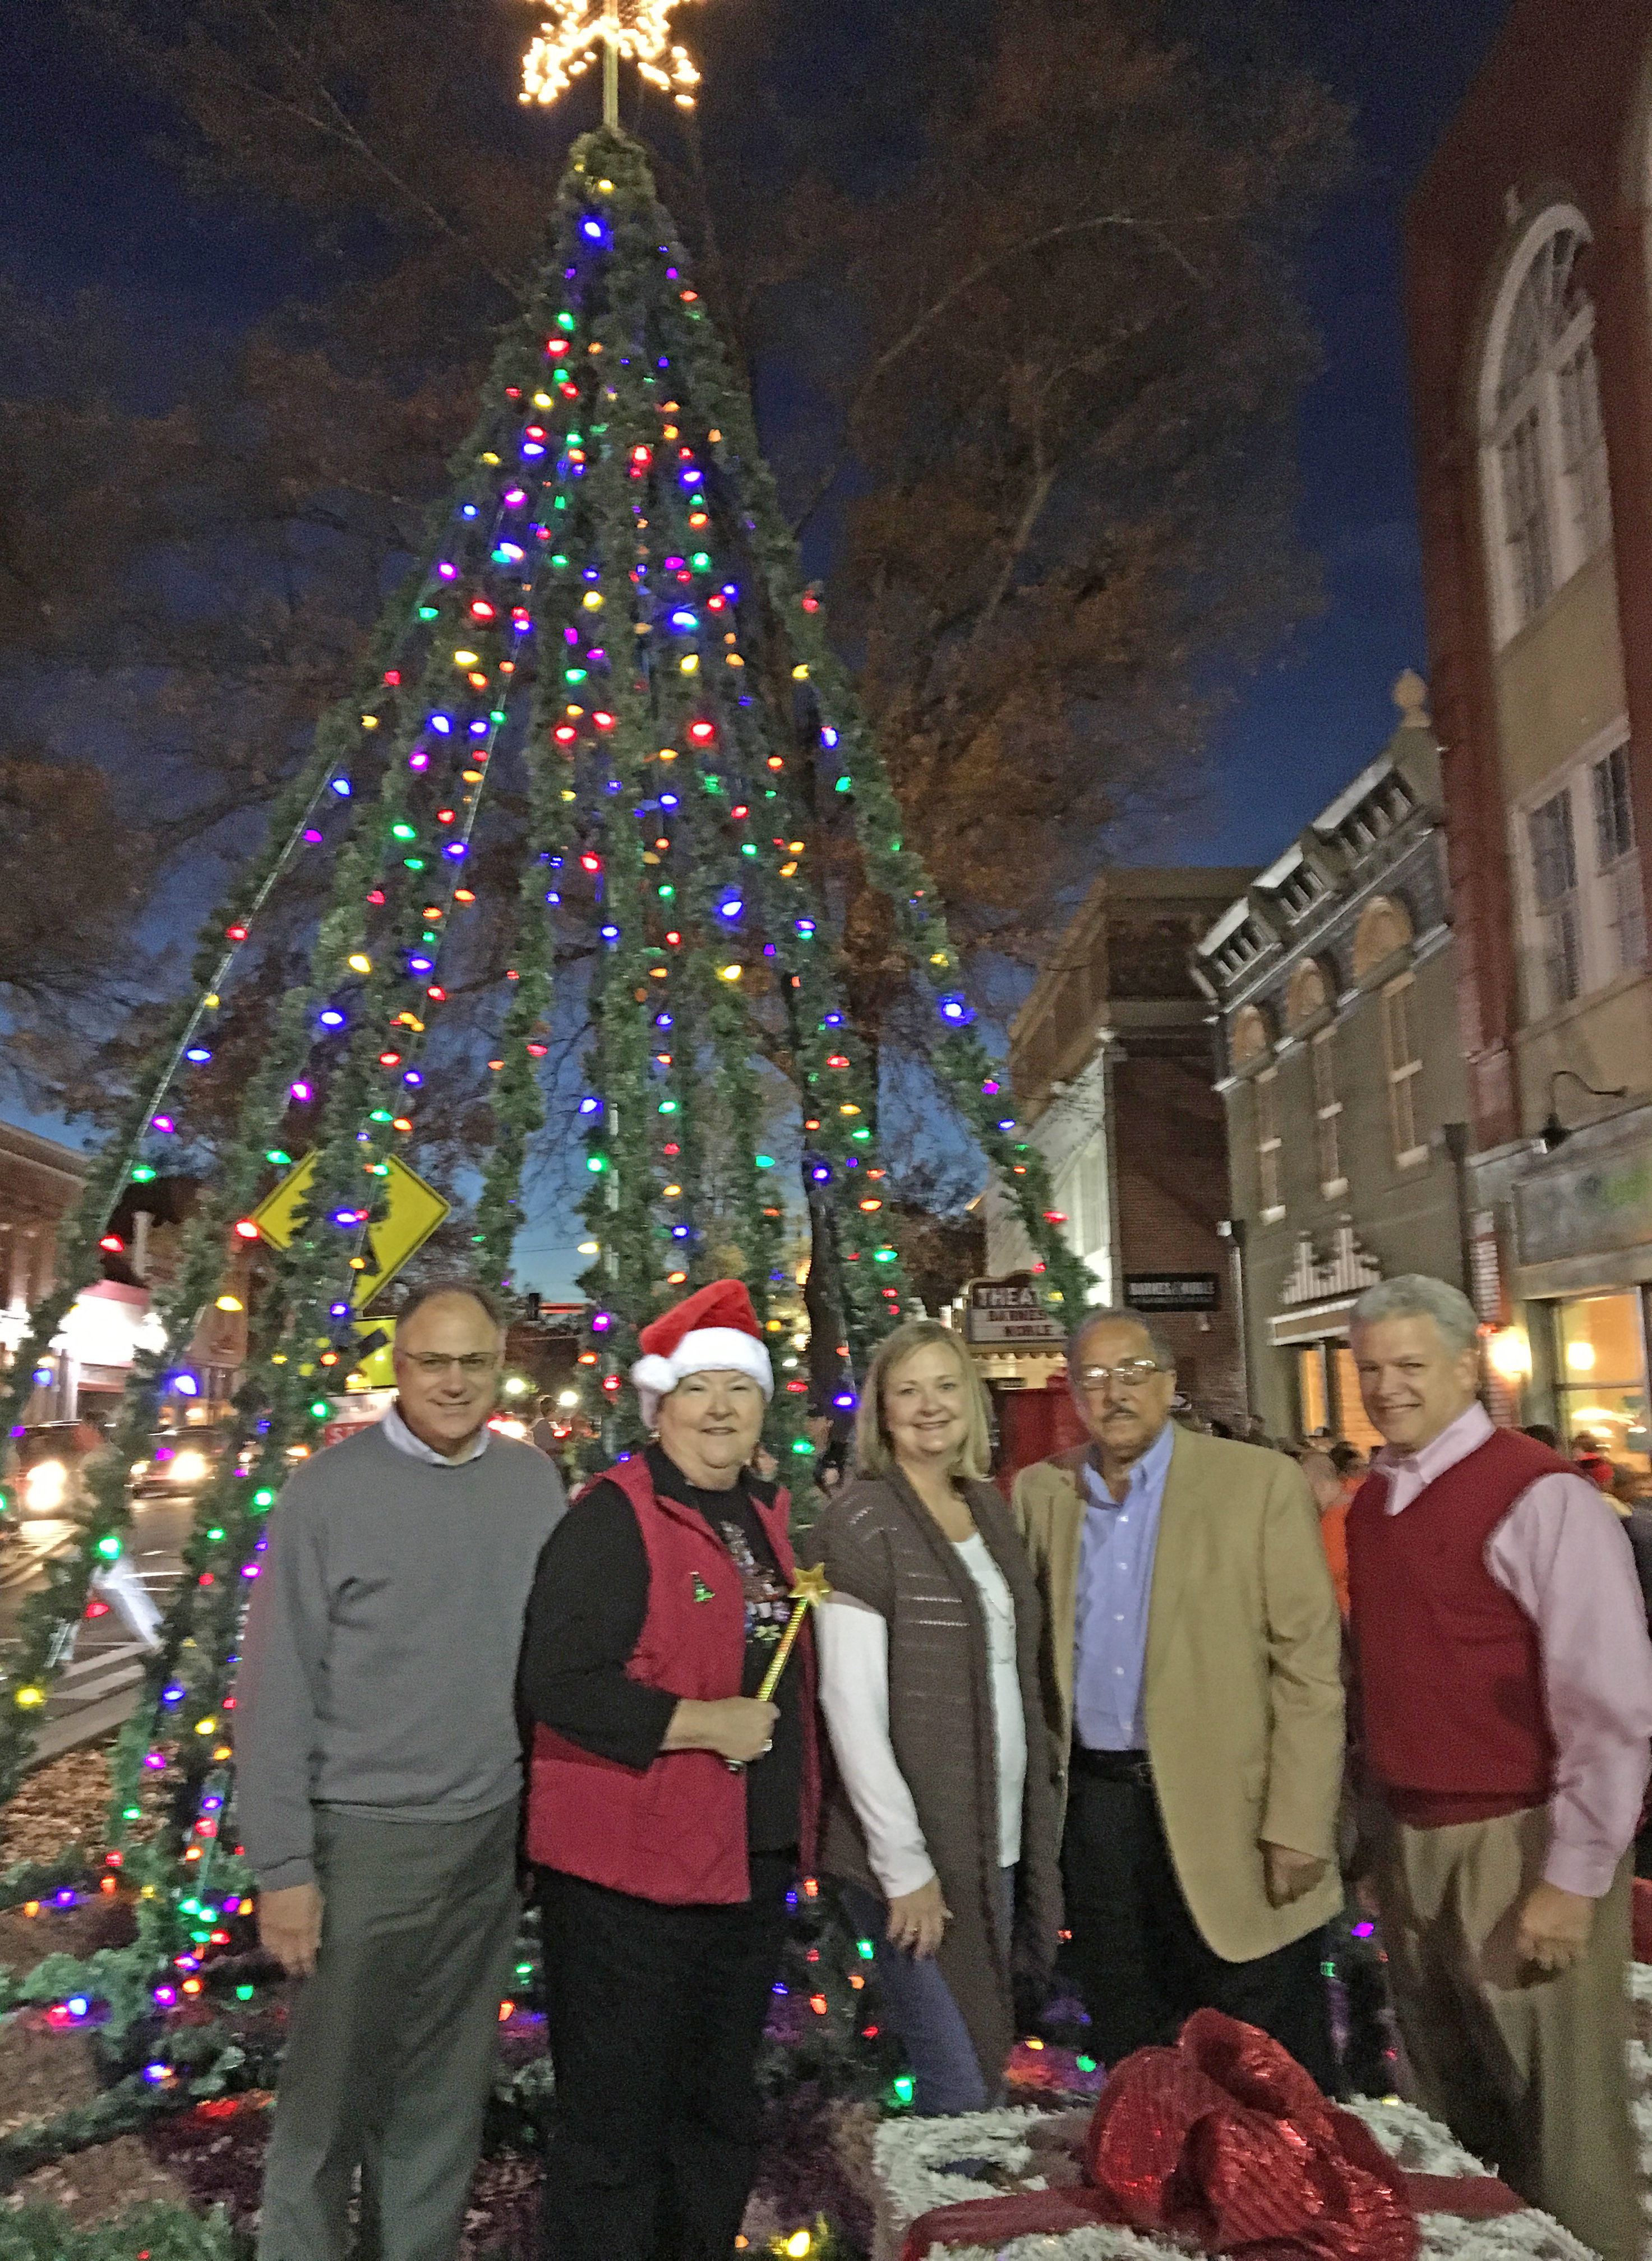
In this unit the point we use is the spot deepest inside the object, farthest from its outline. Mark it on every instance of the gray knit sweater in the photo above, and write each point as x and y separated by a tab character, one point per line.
379	1659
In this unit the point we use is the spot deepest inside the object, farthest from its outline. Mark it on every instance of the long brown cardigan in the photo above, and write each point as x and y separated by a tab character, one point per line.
883	1547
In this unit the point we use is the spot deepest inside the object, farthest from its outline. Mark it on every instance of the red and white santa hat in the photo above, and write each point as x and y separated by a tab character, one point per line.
714	1328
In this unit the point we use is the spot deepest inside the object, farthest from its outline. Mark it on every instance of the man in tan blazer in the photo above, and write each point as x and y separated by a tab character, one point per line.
1193	1688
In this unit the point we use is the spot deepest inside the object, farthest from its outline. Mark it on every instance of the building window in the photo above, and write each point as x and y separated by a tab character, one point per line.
1399	1046
1311	990
1555	930
1617	865
1269	1145
1585	892
1600	1382
1312	1395
1080	1197
1547	502
1251	1035
1327	1109
1385	927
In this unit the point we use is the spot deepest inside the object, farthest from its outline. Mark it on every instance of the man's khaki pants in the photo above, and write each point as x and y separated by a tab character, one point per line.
1528	2071
392	2043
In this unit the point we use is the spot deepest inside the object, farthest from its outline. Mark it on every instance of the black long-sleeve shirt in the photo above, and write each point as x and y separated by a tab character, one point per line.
585	1618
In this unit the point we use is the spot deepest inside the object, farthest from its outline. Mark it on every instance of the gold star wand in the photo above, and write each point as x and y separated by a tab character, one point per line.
809	1589
638	30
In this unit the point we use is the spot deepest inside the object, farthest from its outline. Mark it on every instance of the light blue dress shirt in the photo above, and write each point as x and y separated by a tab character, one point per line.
1110	1633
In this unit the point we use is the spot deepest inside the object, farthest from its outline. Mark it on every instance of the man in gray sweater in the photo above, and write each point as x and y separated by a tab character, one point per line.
377	1778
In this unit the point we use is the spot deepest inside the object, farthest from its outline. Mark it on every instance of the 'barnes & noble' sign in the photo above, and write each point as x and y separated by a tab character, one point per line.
1009	1313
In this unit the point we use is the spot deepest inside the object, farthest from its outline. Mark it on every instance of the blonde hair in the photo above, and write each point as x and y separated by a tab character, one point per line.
874	1456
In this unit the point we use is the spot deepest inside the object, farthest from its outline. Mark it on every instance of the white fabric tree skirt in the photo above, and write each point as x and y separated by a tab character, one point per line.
920	2165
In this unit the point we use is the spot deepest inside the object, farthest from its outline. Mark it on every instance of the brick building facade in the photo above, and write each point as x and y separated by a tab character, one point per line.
1109	1060
1530	314
1338	1066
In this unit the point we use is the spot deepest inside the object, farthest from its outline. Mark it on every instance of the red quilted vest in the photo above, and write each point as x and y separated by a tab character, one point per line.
675	1833
1450	1669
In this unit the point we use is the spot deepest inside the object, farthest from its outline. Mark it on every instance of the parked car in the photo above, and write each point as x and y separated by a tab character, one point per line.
178	1461
44	1478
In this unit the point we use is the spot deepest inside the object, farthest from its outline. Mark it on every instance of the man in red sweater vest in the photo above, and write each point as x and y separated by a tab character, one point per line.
1505	1686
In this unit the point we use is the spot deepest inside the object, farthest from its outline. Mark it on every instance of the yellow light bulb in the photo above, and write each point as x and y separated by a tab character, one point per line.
541	401
730	972
360	963
464	659
594	600
689	662
230	1304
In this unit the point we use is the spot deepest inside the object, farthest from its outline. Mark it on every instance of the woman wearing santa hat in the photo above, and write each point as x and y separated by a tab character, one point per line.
668	1807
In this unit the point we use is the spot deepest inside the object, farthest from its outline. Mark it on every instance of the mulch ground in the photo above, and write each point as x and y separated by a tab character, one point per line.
64	1804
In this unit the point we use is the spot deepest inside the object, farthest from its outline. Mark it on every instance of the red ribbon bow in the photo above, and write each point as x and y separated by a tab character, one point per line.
1225	2142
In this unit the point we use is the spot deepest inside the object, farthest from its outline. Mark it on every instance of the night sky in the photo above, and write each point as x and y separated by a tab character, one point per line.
87	204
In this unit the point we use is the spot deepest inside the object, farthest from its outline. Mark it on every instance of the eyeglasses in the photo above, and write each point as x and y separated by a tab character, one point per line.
1132	1374
433	1363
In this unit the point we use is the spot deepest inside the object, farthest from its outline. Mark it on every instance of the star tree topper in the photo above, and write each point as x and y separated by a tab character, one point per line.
639	30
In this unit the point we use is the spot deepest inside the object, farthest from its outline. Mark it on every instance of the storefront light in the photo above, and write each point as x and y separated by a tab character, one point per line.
1509	1354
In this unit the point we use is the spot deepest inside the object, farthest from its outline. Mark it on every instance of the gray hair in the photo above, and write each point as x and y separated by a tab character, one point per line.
1163	1355
1418	1296
432	1289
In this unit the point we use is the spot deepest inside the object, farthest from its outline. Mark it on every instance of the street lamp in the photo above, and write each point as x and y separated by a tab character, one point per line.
1554	1132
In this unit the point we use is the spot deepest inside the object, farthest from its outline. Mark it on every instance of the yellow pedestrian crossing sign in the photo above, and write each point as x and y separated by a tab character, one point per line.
412	1213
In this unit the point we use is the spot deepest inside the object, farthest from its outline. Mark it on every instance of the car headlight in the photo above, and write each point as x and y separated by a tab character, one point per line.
190	1467
45	1487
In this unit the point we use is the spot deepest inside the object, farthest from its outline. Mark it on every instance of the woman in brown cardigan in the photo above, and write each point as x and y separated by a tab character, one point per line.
940	1827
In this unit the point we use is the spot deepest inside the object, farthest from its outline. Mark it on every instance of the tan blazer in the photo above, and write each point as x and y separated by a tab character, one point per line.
1243	1689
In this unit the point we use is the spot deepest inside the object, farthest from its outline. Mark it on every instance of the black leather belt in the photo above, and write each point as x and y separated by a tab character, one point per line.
1114	1765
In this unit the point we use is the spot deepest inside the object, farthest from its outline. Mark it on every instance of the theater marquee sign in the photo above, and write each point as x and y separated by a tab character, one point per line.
1010	1314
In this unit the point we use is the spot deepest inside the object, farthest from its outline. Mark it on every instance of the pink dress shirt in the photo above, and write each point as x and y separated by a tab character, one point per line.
1561	1552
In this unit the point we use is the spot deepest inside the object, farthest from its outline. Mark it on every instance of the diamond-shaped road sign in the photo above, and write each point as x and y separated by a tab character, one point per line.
414	1212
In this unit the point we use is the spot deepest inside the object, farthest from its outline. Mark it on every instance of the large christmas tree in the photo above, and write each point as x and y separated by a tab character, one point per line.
612	613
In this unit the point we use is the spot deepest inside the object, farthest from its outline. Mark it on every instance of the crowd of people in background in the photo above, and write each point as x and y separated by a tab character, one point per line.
1335	1470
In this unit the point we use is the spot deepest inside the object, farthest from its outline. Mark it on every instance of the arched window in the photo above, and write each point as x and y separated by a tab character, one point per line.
1543	450
1251	1035
1385	927
1310	993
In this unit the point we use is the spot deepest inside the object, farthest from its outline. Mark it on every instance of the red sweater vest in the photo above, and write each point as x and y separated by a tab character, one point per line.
1450	1671
675	1833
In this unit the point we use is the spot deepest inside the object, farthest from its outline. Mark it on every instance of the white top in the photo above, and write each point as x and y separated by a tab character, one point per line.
852	1643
